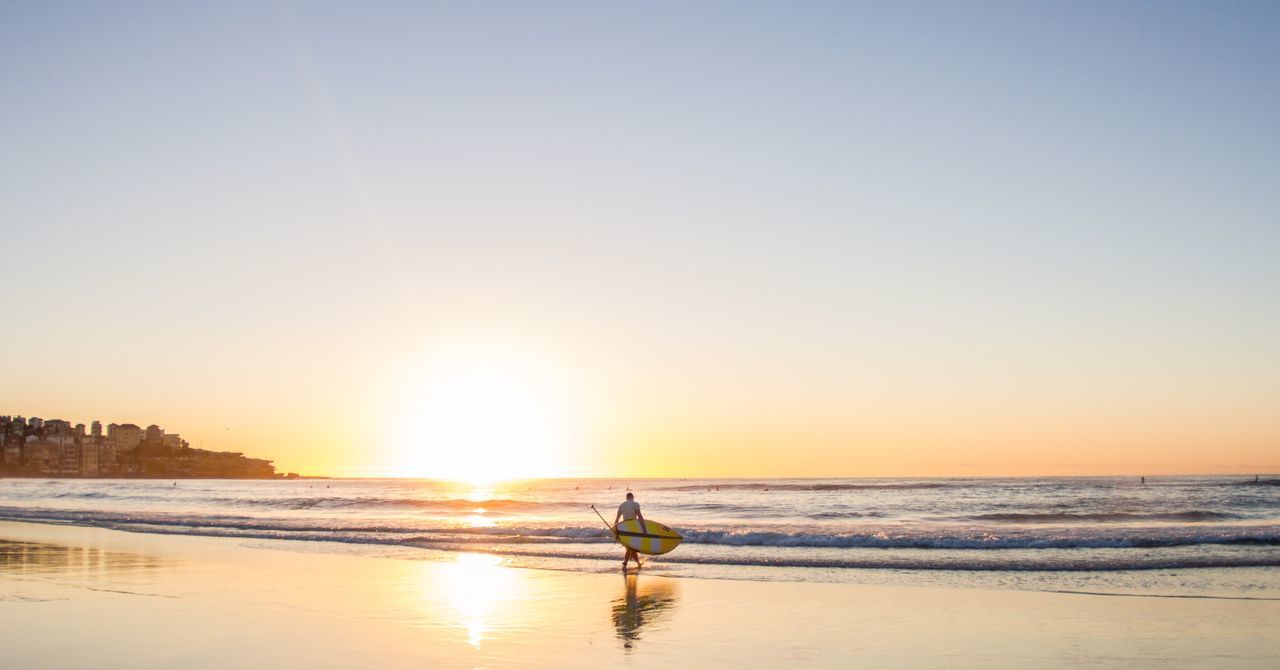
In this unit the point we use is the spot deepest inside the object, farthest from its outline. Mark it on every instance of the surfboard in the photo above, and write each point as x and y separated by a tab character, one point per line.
654	539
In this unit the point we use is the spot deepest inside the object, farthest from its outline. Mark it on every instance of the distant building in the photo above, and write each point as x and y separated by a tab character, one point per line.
90	452
56	448
70	460
42	456
67	453
106	457
125	436
63	440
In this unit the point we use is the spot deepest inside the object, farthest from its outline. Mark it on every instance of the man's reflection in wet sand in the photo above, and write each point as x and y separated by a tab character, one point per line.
18	558
642	606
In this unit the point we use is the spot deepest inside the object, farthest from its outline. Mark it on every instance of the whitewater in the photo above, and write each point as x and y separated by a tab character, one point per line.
1187	536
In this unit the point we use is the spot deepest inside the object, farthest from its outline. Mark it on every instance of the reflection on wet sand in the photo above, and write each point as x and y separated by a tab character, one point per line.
642	606
475	584
18	558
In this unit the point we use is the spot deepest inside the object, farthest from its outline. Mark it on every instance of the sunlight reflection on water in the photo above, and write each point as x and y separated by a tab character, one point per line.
479	521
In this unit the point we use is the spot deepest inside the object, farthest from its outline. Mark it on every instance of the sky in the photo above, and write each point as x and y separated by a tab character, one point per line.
654	239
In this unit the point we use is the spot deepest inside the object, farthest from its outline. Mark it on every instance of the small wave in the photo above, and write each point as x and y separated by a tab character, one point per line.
844	515
443	504
323	502
885	538
88	495
347	503
790	486
740	511
1099	517
990	541
287	528
864	562
228	522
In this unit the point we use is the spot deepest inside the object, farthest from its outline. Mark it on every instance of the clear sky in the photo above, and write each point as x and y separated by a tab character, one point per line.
794	238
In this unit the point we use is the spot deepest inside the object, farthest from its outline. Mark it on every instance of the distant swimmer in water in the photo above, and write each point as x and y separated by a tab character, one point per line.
628	510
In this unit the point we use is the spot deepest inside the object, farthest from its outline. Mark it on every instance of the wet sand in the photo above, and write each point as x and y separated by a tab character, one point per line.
74	597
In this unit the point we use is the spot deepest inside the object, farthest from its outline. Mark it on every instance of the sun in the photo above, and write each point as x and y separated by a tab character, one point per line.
486	416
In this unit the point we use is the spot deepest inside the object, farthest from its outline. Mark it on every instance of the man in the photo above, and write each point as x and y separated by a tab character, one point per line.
628	510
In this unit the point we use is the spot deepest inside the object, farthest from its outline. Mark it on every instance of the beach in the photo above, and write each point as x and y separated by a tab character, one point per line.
74	597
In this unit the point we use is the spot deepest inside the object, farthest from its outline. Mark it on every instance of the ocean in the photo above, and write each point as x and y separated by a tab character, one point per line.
1181	536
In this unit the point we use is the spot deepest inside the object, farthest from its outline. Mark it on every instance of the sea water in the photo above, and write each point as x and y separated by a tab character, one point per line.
1185	536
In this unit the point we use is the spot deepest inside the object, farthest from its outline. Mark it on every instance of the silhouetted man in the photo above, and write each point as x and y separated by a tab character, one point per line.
628	510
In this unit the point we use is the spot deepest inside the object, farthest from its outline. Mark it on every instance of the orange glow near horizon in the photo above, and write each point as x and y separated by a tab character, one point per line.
488	411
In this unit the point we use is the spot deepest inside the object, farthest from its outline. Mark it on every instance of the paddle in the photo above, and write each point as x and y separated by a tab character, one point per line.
606	523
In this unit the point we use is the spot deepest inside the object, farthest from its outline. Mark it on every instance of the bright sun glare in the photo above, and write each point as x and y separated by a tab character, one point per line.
483	417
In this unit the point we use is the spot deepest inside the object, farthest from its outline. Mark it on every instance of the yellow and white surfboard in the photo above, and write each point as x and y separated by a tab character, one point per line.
653	539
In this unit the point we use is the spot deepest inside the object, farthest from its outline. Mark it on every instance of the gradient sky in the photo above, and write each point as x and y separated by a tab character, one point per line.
729	238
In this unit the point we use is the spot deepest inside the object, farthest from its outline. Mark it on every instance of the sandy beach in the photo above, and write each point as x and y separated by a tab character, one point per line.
86	597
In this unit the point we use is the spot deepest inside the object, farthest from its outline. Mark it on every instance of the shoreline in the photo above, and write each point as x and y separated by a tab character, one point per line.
214	602
1262	475
58	478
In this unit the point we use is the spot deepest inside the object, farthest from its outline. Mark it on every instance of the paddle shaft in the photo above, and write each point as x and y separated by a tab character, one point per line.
606	523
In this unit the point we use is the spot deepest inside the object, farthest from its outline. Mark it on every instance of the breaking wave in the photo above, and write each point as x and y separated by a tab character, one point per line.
816	486
883	538
1102	517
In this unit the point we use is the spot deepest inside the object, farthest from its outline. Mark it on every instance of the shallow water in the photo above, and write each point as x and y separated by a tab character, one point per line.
1214	536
